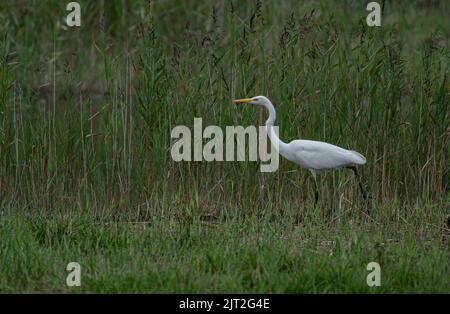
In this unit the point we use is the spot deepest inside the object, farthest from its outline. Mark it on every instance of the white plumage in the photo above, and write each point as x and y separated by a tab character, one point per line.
320	156
313	155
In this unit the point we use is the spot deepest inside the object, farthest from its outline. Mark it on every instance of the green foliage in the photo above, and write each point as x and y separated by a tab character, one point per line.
85	121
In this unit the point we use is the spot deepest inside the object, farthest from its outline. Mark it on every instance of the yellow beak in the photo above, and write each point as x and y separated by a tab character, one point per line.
243	100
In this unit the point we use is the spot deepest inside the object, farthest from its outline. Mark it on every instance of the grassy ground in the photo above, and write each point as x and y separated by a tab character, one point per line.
85	167
239	254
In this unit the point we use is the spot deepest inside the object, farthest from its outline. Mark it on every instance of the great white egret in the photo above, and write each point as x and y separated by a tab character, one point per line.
312	155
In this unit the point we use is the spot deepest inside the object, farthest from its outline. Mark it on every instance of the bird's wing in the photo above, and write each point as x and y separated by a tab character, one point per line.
321	156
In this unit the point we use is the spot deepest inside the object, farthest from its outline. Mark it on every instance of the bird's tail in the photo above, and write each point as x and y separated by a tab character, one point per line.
358	158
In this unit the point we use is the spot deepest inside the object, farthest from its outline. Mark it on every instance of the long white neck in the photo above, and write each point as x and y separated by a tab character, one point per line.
277	143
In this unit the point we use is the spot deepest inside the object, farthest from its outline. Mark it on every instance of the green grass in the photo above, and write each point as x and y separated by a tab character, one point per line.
85	167
236	254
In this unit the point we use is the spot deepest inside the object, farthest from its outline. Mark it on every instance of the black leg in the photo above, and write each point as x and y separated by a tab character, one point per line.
316	193
355	171
316	188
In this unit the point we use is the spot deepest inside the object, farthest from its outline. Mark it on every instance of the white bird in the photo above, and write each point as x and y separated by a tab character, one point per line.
313	155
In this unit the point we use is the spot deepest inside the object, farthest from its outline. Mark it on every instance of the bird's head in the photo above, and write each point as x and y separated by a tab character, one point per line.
257	100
